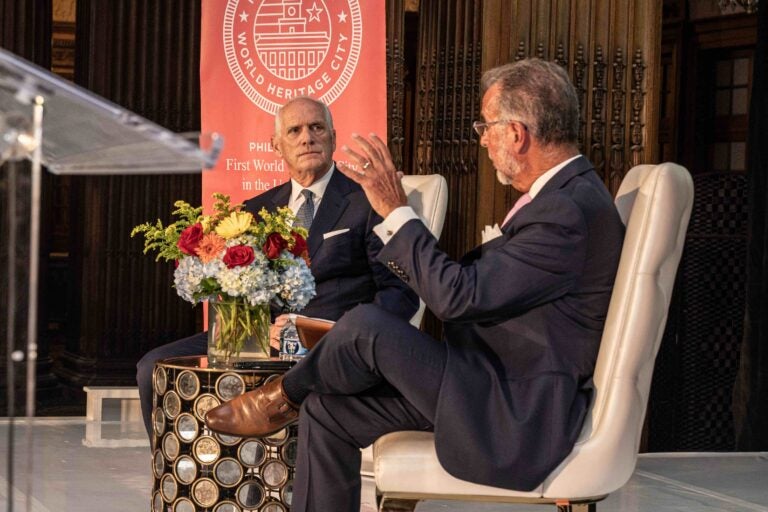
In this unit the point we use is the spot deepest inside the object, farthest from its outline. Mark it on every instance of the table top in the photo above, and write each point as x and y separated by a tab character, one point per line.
273	364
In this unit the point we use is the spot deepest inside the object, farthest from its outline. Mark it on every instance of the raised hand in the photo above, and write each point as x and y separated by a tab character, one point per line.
375	173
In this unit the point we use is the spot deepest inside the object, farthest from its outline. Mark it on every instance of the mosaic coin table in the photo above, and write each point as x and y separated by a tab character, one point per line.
196	470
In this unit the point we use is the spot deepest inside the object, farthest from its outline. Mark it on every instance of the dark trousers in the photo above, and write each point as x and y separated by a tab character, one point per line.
194	345
372	374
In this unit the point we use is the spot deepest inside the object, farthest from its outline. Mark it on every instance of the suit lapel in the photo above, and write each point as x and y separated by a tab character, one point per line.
331	207
282	196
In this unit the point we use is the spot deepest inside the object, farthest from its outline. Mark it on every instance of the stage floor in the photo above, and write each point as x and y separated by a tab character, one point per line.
69	476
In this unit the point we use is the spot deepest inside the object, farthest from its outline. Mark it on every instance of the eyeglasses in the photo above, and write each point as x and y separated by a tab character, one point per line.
480	126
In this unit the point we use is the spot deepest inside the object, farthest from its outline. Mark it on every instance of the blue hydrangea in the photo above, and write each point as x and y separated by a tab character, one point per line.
297	284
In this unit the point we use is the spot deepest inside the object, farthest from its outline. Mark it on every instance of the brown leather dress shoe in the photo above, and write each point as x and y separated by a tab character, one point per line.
257	413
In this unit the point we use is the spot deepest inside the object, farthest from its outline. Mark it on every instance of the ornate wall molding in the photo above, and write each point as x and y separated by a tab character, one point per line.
607	46
579	82
597	146
637	146
617	166
592	40
396	86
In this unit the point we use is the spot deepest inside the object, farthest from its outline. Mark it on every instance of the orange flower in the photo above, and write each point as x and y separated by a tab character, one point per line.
210	247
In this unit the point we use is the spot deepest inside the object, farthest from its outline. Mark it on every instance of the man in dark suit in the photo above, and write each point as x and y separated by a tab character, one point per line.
506	393
342	246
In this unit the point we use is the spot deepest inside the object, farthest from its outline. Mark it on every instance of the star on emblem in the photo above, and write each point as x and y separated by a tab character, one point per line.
342	17
244	16
314	12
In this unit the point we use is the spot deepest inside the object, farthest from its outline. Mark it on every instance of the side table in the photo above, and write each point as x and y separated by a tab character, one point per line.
196	470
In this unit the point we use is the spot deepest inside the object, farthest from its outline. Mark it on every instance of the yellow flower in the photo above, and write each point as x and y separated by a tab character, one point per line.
205	221
236	224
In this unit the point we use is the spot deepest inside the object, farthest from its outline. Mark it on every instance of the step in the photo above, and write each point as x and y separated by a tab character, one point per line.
110	430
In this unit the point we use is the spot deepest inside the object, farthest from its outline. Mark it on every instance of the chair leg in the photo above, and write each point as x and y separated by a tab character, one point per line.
396	505
576	507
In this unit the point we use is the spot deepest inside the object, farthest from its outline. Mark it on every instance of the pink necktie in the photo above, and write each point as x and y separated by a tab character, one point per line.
521	201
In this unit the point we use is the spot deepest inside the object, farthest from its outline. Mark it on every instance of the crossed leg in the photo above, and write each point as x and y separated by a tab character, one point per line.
372	374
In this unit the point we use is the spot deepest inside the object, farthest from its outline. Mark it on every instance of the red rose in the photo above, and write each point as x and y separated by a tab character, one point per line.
190	239
299	245
238	256
274	245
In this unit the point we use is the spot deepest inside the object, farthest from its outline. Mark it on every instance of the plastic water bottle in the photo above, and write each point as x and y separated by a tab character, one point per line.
291	348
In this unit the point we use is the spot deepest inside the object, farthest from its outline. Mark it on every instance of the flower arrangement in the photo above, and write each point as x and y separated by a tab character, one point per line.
237	262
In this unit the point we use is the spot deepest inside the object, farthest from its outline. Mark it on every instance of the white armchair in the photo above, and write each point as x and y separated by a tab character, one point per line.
654	202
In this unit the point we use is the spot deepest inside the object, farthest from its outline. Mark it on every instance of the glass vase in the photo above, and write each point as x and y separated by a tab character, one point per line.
237	332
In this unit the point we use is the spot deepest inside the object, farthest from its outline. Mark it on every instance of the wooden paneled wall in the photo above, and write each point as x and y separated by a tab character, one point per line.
446	102
611	50
396	89
609	47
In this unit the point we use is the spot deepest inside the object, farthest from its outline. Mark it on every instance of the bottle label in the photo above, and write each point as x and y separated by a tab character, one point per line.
290	345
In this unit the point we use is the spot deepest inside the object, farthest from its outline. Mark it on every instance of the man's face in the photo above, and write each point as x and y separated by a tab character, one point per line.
305	141
495	140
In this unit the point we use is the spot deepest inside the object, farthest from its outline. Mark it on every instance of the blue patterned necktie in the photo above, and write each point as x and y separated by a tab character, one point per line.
306	211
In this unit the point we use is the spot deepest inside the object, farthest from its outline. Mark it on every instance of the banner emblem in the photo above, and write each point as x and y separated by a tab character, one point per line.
279	49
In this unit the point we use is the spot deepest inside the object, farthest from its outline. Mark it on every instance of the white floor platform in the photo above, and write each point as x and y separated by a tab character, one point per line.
70	476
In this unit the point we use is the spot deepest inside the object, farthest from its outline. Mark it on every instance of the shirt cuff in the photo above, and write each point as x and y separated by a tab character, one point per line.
394	221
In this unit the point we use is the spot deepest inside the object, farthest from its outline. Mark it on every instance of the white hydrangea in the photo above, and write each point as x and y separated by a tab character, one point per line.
187	277
297	284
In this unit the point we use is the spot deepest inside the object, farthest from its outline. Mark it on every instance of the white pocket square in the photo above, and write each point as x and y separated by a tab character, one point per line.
330	234
489	233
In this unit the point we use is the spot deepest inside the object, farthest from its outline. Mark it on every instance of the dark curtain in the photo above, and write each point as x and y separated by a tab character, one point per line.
750	404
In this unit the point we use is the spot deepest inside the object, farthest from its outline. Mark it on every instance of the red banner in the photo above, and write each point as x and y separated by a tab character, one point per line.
258	54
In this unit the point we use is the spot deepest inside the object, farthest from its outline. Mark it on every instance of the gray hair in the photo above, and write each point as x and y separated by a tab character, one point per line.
539	94
323	106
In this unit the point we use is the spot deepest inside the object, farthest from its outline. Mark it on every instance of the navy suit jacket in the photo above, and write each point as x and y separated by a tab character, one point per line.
523	317
344	265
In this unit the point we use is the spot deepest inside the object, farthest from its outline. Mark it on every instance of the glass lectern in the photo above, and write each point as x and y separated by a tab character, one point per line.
83	133
70	130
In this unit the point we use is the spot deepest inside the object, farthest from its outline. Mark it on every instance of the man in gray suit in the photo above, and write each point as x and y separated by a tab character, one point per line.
342	246
507	391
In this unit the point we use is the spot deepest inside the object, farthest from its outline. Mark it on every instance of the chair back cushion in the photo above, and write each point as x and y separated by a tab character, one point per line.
428	196
654	202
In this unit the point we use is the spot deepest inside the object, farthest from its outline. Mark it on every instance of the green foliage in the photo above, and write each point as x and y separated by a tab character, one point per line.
163	239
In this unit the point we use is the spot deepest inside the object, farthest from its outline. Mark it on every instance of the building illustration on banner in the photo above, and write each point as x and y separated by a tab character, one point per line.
279	49
283	43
